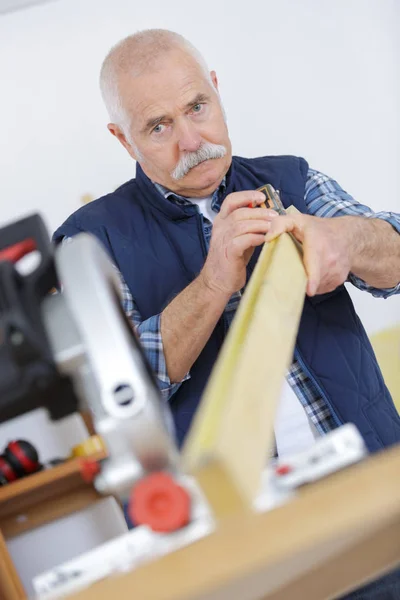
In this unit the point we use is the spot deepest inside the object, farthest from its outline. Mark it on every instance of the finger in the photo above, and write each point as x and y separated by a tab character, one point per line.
280	225
241	214
243	242
239	200
250	226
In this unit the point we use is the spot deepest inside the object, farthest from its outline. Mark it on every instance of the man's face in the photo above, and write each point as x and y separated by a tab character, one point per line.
174	112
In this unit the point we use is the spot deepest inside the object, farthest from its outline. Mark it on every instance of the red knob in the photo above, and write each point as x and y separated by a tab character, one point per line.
89	470
159	502
283	469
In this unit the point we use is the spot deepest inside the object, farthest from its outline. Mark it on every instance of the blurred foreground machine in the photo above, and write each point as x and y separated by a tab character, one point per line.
76	349
214	521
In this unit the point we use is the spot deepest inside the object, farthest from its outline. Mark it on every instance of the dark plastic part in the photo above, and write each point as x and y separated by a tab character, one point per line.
28	375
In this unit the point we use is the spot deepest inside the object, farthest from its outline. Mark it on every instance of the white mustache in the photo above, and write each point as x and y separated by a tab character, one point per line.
192	159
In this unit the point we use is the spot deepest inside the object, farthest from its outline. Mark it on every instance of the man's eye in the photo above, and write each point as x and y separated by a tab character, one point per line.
197	108
158	128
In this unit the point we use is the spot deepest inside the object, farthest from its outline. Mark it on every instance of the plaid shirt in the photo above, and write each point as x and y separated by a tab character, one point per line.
324	198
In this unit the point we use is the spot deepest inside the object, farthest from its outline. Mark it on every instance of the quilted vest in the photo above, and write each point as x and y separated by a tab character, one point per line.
159	247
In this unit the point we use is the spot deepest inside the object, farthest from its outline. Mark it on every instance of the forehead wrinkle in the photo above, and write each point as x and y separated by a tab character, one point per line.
154	110
146	112
169	97
191	91
190	86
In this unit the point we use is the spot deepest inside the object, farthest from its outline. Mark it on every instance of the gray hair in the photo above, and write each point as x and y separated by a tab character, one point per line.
134	55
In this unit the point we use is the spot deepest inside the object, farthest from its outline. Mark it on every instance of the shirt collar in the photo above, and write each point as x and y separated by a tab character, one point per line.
216	201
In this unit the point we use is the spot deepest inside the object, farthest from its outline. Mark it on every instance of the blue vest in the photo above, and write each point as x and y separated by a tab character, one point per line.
159	248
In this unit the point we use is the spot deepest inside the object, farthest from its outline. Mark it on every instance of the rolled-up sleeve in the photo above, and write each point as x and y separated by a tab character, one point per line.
149	332
324	197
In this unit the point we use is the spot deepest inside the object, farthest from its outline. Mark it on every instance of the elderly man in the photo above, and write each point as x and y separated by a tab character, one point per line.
185	242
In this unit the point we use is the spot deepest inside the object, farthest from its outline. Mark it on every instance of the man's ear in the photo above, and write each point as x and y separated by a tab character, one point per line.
214	79
119	134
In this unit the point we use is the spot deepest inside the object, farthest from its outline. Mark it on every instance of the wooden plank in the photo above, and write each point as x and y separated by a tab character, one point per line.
11	587
252	556
45	496
354	567
232	432
88	421
48	510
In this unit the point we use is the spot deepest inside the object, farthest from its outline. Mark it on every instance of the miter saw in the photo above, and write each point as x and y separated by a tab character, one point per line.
66	345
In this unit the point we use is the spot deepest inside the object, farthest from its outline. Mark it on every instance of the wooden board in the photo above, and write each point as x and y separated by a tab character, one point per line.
45	496
361	561
353	515
232	432
10	585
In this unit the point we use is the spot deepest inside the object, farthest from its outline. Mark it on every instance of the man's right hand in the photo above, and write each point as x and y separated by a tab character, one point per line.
237	230
189	320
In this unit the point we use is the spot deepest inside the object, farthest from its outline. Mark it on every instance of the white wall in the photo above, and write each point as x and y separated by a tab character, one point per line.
317	78
7	6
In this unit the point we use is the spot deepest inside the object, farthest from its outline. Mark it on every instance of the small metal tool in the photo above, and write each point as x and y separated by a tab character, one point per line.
273	199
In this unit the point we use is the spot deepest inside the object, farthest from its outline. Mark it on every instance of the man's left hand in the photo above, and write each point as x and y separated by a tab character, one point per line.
327	248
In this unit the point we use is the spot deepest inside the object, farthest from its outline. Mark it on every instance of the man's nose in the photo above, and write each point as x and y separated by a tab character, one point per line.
189	139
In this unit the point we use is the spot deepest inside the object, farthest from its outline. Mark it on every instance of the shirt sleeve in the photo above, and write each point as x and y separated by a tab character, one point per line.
325	198
149	332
